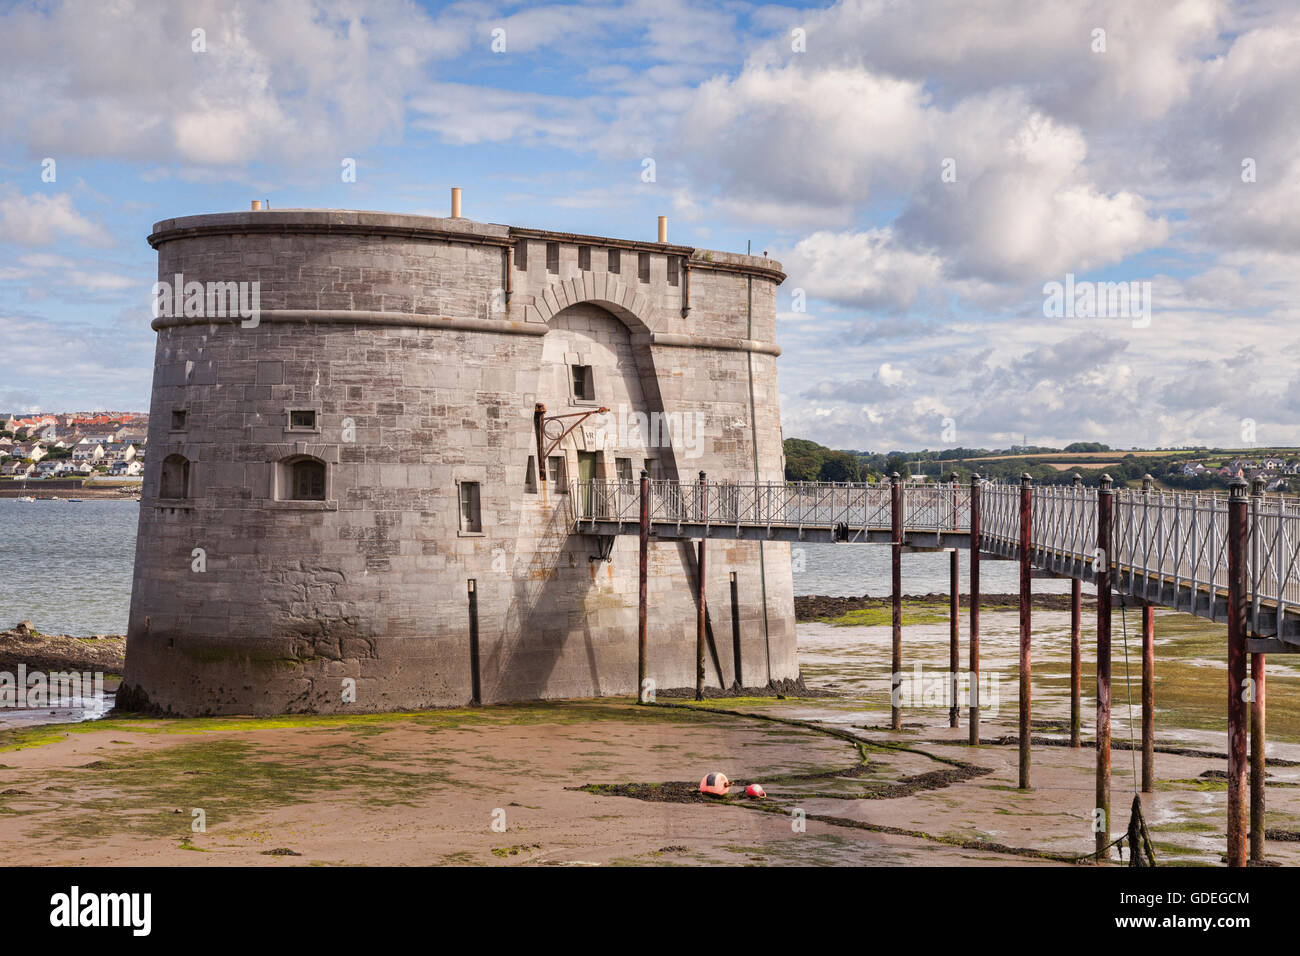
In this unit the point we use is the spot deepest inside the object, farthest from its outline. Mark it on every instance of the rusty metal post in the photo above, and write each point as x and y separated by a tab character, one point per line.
642	593
700	610
476	689
539	436
1238	609
1026	625
974	676
735	631
1102	561
1257	759
1257	704
1148	697
896	579
1076	644
1148	672
954	652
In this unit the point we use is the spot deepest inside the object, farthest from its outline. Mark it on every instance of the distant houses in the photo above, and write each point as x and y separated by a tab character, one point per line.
1278	474
73	445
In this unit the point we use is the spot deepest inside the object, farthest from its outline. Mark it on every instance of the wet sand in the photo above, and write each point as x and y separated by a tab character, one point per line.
608	782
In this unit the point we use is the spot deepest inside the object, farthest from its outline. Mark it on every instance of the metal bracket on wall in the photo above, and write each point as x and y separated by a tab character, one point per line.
552	423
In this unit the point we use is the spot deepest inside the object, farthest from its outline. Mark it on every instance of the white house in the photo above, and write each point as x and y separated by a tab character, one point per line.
127	469
119	451
33	450
87	450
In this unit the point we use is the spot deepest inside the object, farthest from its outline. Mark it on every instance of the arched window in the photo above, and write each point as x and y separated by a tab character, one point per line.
307	479
175	480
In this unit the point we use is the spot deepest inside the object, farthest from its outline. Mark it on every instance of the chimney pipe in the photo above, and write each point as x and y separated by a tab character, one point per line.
455	202
257	205
663	228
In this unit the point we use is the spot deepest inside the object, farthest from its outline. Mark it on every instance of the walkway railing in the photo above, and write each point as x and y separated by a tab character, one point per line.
773	504
1168	548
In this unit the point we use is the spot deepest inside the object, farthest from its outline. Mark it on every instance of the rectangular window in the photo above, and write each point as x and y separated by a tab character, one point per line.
614	261
584	385
643	266
672	270
178	419
302	418
521	255
555	471
530	476
552	257
584	258
470	517
624	467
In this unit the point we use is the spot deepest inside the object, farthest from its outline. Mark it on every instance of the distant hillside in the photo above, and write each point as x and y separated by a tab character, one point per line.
1171	468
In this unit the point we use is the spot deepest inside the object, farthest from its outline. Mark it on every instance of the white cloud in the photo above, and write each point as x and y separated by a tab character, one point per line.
865	269
38	219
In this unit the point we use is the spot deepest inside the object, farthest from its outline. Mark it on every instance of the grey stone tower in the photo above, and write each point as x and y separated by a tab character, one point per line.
326	477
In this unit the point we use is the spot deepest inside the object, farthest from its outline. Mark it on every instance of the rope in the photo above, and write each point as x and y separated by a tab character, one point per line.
1140	851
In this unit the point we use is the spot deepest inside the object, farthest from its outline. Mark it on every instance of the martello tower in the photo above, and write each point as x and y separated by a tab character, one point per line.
326	477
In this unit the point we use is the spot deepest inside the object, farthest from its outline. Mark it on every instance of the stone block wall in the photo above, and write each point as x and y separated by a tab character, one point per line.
422	346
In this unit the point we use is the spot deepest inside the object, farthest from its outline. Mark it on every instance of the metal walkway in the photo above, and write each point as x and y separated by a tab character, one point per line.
1168	548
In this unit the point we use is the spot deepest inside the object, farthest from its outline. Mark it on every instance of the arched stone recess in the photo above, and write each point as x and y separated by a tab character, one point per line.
633	310
602	289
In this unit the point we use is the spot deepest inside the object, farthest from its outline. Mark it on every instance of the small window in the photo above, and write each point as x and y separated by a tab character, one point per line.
470	517
307	480
521	255
614	261
552	257
556	474
624	468
643	266
303	418
584	258
178	419
672	270
530	476
175	480
584	384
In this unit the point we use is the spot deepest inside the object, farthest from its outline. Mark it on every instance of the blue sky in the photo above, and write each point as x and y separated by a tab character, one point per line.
922	170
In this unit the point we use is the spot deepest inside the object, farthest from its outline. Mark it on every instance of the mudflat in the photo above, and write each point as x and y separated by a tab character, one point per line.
610	782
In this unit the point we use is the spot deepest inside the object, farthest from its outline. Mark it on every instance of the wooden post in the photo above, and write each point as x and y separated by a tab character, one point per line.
1238	608
700	612
642	695
1026	625
1102	573
954	652
974	676
896	581
1076	642
1148	698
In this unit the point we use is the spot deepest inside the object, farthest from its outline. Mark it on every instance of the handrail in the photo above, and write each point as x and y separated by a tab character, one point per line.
1161	539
